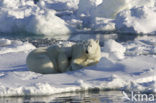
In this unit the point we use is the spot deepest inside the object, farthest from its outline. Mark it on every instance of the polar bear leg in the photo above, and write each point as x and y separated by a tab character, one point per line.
40	63
76	64
63	62
90	62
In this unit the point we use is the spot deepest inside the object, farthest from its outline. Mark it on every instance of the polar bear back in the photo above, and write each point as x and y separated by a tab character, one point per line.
38	61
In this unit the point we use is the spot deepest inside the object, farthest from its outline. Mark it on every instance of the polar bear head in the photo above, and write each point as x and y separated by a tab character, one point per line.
85	53
91	48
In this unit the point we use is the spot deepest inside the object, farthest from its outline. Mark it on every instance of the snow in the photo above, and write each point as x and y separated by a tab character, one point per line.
128	71
128	16
48	25
115	50
137	20
7	46
109	8
103	24
4	42
26	17
48	17
100	8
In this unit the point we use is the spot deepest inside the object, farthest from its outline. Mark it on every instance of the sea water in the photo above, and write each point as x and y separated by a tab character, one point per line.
79	97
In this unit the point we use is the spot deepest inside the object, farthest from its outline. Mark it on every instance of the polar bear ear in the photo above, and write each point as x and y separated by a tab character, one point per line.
97	41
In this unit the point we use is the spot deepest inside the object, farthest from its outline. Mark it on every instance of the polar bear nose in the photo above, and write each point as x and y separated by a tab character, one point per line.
86	51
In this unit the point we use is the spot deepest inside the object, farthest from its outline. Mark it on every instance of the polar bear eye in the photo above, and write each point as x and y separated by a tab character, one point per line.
87	52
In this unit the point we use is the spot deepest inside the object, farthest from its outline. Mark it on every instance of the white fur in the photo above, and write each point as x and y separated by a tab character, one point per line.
56	59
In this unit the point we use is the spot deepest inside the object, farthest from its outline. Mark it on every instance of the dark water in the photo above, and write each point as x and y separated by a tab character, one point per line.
75	36
43	40
80	97
75	97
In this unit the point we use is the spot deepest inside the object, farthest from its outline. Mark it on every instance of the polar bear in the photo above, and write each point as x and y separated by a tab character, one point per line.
85	53
58	59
